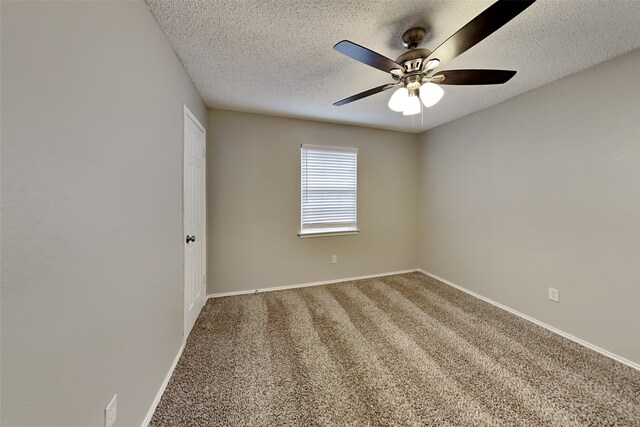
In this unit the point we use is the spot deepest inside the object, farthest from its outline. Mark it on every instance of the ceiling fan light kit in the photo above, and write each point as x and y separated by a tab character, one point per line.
414	72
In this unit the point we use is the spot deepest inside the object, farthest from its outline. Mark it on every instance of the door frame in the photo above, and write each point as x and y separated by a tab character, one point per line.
188	115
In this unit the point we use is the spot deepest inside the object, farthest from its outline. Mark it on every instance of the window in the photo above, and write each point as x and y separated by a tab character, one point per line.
328	190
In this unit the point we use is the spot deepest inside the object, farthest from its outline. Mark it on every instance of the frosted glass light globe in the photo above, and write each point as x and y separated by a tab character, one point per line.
430	94
399	99
413	106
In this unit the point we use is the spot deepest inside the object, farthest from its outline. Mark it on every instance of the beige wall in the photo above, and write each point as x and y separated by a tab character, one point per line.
253	203
544	190
92	98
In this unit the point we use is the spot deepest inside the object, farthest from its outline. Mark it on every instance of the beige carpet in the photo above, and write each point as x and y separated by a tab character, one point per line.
400	350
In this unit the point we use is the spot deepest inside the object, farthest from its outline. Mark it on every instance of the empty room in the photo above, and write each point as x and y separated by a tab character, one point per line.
319	213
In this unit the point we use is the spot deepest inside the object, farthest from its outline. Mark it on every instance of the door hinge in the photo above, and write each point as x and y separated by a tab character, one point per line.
204	279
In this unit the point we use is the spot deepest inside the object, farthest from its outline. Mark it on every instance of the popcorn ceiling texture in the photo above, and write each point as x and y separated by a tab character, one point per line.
402	350
277	56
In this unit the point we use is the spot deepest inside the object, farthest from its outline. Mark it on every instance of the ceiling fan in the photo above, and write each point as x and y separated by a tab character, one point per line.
414	73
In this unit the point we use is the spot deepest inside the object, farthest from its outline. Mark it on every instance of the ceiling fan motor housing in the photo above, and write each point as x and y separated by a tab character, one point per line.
413	60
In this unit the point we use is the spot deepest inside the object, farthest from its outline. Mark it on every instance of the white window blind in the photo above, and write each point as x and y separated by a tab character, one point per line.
329	190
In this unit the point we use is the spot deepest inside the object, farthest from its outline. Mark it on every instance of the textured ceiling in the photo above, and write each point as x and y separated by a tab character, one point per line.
277	57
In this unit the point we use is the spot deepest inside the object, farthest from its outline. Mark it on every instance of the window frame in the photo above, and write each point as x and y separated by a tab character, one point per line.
320	230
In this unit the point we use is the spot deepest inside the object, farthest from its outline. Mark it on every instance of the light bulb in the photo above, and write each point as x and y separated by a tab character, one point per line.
413	106
430	94
398	100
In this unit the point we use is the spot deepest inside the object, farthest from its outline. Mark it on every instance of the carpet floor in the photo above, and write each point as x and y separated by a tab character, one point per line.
402	350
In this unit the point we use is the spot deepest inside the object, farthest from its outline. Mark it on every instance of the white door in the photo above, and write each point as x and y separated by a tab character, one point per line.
194	220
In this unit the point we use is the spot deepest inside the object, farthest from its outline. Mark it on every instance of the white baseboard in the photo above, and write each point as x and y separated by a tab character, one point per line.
538	322
156	401
304	285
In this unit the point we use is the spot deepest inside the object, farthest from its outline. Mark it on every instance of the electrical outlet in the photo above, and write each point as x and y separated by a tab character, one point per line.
553	295
111	412
334	259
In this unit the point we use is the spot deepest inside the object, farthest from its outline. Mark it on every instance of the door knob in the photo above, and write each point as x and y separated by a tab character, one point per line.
191	238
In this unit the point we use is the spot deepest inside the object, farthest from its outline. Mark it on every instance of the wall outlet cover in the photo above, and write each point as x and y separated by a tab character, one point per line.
553	295
111	412
334	259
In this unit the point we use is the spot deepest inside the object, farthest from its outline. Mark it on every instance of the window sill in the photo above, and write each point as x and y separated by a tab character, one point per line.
328	232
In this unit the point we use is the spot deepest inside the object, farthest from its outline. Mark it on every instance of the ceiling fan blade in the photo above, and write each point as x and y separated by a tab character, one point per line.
479	28
366	56
365	94
474	77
